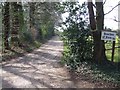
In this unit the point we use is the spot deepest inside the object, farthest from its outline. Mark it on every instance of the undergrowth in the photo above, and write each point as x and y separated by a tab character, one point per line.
108	72
16	51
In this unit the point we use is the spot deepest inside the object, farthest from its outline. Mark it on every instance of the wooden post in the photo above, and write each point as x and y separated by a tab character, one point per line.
113	50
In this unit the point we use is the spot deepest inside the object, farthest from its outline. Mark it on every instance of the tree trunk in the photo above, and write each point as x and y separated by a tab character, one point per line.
31	13
21	16
15	23
6	22
99	47
32	19
91	15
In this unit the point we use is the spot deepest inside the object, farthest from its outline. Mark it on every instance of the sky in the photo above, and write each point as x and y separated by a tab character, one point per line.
109	18
109	22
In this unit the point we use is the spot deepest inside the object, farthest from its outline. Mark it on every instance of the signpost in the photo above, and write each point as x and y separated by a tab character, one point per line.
109	36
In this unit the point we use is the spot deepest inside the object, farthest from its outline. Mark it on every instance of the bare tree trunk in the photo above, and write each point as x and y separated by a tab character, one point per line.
100	26
21	16
15	23
32	19
31	13
91	15
99	47
6	22
21	22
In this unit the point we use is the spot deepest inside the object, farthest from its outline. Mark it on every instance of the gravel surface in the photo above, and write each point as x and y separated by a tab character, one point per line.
41	69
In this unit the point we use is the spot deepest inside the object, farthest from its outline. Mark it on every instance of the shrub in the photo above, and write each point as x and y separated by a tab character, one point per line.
76	37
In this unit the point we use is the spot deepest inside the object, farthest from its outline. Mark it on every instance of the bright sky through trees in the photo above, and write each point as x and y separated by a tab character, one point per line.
109	22
109	18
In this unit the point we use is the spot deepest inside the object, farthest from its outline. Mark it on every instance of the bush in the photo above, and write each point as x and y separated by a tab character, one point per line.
78	48
27	37
76	38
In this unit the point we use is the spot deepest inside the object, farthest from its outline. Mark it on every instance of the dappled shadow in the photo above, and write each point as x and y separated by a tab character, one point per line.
41	69
47	55
54	43
37	69
15	52
88	78
111	72
6	84
28	79
81	81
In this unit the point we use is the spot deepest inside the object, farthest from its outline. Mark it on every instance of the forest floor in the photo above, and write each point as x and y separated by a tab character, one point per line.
42	69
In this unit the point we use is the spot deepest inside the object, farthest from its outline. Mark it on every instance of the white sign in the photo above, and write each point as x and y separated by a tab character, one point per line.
108	36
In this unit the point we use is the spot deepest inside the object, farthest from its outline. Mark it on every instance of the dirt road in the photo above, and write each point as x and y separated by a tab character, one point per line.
41	69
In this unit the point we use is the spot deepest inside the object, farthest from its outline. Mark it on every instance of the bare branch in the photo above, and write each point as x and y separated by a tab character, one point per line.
114	19
104	2
94	5
112	9
91	15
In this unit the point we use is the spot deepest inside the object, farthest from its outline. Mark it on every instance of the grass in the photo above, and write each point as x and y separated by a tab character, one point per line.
117	50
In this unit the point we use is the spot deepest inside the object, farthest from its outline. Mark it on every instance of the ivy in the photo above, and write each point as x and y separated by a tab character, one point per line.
76	36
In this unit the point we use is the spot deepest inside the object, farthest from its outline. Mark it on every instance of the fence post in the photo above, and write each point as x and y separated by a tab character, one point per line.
113	50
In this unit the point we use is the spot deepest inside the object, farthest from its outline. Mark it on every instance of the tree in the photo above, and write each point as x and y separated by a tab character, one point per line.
97	24
15	23
6	24
27	23
46	16
21	17
76	36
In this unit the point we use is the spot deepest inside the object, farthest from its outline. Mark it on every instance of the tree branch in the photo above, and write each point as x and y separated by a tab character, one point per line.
104	2
114	19
112	9
94	5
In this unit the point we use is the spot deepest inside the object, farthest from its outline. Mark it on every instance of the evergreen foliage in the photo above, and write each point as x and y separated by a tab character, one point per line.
76	36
